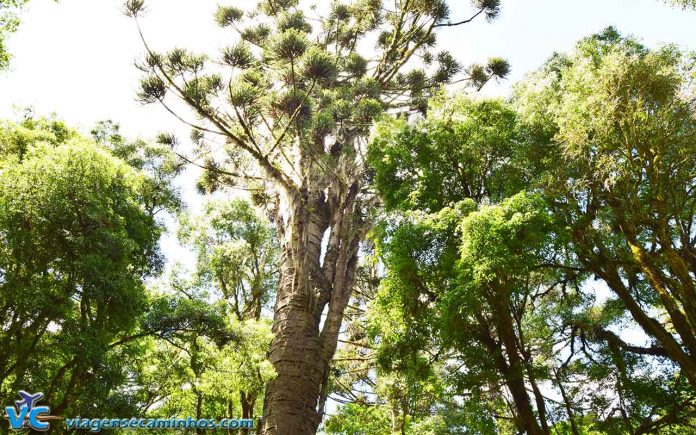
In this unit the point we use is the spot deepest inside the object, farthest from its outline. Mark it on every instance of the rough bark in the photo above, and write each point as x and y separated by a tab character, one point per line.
302	347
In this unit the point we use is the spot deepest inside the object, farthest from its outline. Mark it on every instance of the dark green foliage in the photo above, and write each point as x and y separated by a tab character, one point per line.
319	65
79	237
152	89
466	150
289	44
311	73
294	20
490	7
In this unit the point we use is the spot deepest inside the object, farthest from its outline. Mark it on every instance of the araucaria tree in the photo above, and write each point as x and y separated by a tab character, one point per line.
292	102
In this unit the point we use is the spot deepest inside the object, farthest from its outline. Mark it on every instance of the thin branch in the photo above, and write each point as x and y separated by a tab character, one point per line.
458	23
272	171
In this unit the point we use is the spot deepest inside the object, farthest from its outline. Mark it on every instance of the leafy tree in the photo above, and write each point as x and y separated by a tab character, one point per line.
465	149
238	261
156	160
464	283
237	255
79	235
206	330
622	118
356	419
216	364
292	102
502	247
386	401
435	303
494	288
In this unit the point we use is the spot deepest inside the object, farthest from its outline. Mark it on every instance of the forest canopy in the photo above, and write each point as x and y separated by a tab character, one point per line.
373	246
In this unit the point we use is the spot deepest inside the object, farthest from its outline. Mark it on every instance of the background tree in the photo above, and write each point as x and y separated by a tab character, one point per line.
208	329
291	103
238	262
215	366
237	255
385	402
623	123
434	305
440	298
79	235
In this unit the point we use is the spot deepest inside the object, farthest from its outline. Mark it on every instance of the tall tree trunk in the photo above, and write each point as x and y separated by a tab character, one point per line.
540	403
302	348
528	360
247	401
514	376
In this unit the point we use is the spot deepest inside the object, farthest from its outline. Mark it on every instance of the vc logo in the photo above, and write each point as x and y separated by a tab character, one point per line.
27	415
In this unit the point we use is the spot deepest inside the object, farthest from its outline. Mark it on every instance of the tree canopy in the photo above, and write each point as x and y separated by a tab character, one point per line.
375	250
487	306
79	234
625	130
